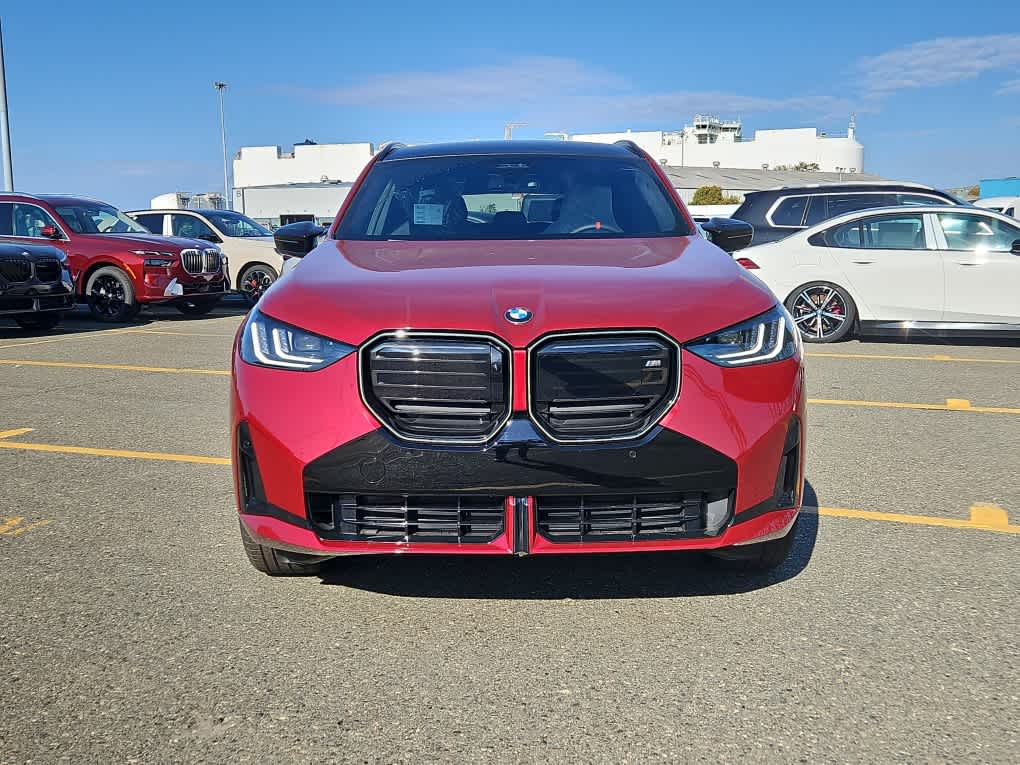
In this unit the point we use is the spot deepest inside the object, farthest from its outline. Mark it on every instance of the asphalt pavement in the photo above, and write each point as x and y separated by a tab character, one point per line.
132	629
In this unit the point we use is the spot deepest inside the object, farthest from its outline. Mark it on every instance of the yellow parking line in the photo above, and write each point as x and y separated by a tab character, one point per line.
951	405
63	338
983	517
12	526
933	357
119	367
140	331
125	453
15	432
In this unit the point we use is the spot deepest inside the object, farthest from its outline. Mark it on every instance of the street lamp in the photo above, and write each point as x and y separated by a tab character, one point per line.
5	127
220	87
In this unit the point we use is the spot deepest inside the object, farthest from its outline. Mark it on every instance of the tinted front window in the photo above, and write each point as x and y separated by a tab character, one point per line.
96	218
29	220
511	197
919	199
235	224
901	232
6	219
190	226
152	222
839	204
978	233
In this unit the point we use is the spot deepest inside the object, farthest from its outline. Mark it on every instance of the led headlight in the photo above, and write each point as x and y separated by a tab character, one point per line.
771	336
153	259
267	342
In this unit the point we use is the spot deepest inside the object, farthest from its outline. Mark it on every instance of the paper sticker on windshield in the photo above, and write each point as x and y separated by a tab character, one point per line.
428	215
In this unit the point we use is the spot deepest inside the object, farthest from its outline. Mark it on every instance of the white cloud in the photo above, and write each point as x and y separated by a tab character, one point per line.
1008	88
559	91
938	62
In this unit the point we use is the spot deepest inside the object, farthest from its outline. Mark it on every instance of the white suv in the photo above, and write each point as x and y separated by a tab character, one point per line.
249	247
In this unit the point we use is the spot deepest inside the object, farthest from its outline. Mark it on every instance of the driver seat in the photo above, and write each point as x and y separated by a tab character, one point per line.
585	206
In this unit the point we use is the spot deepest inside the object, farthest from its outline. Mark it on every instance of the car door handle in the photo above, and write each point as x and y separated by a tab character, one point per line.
967	263
864	262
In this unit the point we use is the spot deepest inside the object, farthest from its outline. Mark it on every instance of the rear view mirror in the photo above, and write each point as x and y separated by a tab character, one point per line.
50	232
1015	249
728	234
295	240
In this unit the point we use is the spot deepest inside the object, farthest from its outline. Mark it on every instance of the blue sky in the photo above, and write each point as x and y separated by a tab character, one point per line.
115	100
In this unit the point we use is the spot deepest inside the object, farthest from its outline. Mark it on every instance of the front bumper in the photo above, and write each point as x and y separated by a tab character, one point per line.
722	468
162	284
35	297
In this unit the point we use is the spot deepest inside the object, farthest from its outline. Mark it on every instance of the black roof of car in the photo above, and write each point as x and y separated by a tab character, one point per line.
844	188
543	147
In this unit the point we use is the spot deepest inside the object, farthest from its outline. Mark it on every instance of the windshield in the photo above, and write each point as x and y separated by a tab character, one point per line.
97	218
512	197
235	224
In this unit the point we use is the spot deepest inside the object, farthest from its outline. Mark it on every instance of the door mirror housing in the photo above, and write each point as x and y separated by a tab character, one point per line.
1015	249
295	240
51	232
211	238
728	234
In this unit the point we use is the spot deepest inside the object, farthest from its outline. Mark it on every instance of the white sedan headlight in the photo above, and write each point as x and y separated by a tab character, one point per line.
769	337
267	342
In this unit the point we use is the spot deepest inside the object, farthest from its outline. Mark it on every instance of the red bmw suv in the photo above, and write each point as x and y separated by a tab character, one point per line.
116	263
516	348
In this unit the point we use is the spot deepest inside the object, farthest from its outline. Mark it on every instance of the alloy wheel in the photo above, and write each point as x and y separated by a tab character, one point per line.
108	296
255	283
820	311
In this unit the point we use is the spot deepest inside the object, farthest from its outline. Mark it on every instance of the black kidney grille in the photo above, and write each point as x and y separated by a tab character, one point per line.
399	518
47	270
16	269
438	389
609	518
602	387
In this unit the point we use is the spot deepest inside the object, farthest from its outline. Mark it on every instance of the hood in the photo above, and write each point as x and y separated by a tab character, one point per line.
684	286
153	242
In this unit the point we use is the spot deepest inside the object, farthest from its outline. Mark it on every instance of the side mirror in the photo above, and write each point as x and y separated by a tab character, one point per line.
51	232
211	238
728	234
1015	249
295	240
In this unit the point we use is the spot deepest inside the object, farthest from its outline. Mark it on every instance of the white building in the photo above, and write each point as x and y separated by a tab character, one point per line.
711	142
308	163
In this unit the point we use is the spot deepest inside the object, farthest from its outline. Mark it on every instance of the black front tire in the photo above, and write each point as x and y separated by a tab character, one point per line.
196	307
111	295
822	295
39	322
756	558
274	562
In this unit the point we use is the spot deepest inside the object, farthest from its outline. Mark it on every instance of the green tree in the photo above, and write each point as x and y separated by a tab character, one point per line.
713	195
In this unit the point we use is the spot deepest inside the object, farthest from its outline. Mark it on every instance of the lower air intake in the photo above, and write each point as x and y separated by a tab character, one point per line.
398	518
614	518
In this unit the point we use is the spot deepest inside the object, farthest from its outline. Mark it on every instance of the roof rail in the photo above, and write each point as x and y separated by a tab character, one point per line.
387	148
630	146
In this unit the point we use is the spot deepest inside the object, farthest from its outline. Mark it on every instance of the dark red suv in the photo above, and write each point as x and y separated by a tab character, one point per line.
117	265
516	348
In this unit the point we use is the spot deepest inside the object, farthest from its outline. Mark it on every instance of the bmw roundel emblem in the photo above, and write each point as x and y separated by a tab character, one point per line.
518	315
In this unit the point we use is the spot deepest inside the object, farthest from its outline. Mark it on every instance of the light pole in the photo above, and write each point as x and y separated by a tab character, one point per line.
220	87
5	125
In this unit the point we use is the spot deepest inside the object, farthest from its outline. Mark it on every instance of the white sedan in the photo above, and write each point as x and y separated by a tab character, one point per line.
895	269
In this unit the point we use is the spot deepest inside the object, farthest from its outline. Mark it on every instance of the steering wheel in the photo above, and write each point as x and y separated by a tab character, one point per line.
608	228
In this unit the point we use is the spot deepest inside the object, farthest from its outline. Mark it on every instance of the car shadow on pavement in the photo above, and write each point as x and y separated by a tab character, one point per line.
577	577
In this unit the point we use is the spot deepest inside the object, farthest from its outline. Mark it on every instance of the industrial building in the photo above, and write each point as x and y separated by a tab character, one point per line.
311	181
